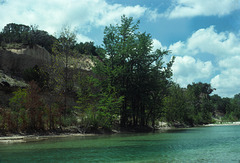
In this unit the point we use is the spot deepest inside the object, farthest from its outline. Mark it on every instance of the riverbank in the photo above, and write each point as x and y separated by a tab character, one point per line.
9	139
224	124
33	138
17	138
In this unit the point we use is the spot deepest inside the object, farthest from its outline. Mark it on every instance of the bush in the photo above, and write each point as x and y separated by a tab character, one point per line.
37	75
18	100
69	121
26	111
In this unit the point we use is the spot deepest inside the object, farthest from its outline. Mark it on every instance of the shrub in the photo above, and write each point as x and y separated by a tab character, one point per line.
18	100
37	75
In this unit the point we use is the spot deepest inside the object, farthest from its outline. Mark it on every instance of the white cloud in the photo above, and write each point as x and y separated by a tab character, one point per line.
227	81
82	38
51	15
187	70
208	41
191	8
224	46
152	14
158	45
112	13
230	63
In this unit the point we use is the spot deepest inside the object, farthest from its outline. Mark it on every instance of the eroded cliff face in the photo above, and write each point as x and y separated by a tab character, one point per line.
15	61
7	86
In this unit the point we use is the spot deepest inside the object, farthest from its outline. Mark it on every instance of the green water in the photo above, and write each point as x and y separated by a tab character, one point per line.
204	144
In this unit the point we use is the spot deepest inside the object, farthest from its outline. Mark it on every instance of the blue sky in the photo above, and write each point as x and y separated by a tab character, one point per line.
204	35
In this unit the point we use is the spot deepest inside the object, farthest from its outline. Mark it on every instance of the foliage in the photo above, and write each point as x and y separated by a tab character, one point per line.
36	74
18	100
175	105
87	104
19	33
34	107
29	113
232	108
97	108
131	68
61	70
30	35
109	107
87	48
191	106
129	84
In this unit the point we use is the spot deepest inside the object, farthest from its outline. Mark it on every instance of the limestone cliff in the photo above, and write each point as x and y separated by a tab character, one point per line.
15	61
7	86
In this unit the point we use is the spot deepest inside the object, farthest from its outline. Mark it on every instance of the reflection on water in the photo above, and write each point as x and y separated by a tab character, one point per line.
205	144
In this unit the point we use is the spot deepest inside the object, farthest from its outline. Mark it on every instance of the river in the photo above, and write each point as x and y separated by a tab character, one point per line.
202	144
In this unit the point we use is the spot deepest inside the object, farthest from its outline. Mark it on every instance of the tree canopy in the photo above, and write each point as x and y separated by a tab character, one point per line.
134	70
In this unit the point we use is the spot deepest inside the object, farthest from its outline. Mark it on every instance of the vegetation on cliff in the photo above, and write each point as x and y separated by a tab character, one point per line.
129	85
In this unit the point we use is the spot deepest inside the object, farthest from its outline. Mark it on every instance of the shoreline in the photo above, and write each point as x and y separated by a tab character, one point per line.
17	138
35	138
224	124
11	139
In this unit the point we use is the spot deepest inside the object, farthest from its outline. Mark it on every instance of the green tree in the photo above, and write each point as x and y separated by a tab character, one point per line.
18	100
61	71
15	33
191	106
175	106
87	48
131	67
87	102
17	105
27	108
29	35
97	108
36	74
218	104
40	37
233	108
199	100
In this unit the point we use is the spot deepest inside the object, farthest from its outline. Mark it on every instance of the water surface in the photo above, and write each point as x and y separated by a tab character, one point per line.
204	144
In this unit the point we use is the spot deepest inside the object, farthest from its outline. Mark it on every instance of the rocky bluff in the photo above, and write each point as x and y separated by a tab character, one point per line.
15	61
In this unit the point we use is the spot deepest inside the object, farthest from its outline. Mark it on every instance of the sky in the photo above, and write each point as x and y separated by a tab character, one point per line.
203	35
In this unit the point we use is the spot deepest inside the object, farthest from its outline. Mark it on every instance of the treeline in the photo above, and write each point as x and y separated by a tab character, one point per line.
31	35
28	112
129	86
195	105
229	107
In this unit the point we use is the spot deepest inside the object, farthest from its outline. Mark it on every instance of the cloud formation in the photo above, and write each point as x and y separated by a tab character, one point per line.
158	45
192	8
208	41
52	15
223	45
227	81
186	70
